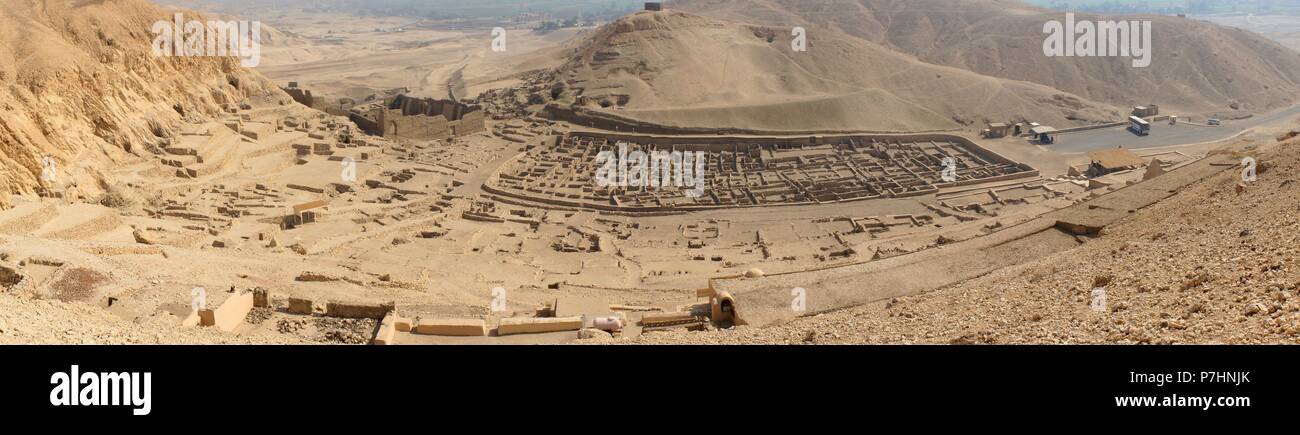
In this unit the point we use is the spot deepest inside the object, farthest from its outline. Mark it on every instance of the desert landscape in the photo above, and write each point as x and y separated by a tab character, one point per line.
696	172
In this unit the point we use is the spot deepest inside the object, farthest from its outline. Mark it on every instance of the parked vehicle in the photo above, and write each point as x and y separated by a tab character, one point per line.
1139	126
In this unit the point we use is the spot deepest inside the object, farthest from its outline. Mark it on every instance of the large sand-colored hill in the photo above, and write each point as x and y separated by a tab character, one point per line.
681	69
1197	66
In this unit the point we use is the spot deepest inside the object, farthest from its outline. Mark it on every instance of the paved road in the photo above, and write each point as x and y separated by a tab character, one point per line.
1163	134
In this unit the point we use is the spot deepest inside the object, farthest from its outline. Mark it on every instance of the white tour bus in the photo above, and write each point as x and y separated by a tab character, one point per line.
1139	126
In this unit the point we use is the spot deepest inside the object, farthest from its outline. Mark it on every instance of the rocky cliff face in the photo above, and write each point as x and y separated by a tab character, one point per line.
79	84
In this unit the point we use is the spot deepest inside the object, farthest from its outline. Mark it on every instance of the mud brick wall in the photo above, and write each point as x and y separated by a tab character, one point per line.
368	125
302	96
414	127
420	119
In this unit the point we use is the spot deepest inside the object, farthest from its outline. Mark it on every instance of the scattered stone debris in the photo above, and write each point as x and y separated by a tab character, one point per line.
258	315
345	331
290	326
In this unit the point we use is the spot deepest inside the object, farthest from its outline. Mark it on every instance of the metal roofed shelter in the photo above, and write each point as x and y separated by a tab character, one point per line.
1044	134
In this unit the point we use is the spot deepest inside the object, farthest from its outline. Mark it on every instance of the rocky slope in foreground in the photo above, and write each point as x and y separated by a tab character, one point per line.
1208	265
30	321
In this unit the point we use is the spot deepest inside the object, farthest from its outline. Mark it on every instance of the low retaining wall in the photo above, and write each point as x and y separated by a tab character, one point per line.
612	122
352	310
1110	125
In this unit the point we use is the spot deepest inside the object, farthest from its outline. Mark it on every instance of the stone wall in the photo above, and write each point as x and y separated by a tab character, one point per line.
368	125
418	118
595	119
304	97
420	127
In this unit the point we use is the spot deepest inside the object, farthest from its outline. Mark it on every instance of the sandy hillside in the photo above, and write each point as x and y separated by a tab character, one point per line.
1197	67
688	70
1208	265
341	55
1285	29
78	82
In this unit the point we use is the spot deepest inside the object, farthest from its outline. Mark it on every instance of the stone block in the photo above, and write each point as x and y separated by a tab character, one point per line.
261	298
535	325
387	330
356	310
230	314
403	324
453	327
665	318
300	306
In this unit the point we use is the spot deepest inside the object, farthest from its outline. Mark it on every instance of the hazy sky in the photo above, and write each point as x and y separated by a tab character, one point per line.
1176	6
428	8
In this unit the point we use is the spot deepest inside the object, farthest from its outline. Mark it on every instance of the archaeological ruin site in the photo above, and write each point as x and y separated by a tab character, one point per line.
753	171
666	175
